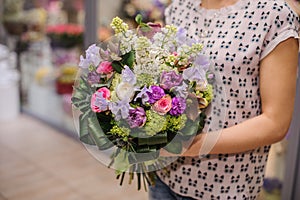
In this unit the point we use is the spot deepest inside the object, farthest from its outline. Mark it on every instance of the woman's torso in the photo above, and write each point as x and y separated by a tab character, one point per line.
236	38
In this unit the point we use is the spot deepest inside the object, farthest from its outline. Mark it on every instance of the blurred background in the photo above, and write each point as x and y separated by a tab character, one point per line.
40	155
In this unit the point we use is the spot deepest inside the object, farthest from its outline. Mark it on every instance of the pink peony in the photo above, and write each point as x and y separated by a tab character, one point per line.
105	67
98	100
163	105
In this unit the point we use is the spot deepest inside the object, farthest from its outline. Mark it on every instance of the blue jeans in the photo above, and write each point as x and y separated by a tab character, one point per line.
162	192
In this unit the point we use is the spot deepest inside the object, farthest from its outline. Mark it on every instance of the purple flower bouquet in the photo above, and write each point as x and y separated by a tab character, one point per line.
143	91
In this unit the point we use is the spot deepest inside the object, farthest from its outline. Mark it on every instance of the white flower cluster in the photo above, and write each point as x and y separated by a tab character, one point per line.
127	41
166	38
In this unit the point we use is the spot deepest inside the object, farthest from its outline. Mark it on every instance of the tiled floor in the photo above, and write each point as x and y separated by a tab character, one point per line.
39	163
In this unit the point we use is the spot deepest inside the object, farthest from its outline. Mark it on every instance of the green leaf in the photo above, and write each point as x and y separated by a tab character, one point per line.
145	28
138	18
98	135
117	66
100	85
174	147
84	135
154	140
128	59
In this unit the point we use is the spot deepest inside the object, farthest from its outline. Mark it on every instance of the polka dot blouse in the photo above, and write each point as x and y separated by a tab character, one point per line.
236	38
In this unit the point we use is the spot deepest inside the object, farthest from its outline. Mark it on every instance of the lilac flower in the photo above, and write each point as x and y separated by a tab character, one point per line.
155	94
92	57
178	106
195	73
93	77
137	117
120	109
143	95
128	76
181	36
170	79
181	91
202	61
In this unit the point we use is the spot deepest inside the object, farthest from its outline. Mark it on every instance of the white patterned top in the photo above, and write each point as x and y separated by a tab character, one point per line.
236	38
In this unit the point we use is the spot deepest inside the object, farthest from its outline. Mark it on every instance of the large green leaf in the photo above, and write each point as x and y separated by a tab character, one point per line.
117	66
128	59
84	132
98	135
161	138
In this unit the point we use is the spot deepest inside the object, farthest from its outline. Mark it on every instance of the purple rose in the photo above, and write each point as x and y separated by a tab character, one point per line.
170	79
137	117
155	94
178	106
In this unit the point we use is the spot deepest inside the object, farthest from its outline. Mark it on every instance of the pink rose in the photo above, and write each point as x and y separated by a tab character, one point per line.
163	105
98	100
105	67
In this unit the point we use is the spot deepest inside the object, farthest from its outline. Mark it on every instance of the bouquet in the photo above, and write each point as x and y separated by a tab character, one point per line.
143	90
65	35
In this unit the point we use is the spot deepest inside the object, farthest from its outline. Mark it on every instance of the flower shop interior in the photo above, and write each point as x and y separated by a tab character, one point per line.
40	155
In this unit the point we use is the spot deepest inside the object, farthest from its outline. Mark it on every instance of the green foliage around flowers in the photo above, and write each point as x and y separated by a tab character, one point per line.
208	93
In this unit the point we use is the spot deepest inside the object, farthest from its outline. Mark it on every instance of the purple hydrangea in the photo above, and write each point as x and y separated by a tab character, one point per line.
170	79
178	106
137	117
155	94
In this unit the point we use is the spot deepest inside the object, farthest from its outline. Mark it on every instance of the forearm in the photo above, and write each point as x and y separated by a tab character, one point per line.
253	133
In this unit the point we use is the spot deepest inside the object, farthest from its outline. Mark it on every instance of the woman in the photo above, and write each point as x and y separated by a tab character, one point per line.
254	49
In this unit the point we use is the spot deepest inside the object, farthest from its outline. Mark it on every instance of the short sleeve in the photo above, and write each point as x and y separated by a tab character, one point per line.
284	24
